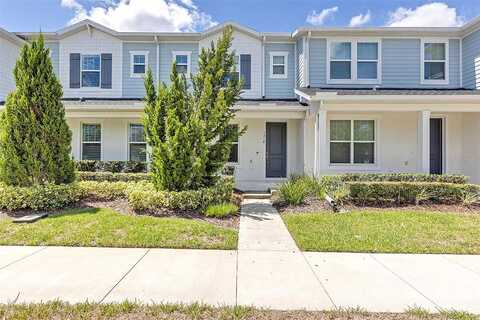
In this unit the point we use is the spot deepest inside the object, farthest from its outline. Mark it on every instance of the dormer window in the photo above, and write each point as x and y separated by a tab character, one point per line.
434	62
353	61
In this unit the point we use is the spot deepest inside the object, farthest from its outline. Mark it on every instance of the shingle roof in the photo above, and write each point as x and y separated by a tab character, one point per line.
388	91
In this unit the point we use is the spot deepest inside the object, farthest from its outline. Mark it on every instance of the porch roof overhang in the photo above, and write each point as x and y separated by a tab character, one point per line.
127	108
382	99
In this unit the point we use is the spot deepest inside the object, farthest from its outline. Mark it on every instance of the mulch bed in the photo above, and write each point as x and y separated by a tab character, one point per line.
122	206
315	205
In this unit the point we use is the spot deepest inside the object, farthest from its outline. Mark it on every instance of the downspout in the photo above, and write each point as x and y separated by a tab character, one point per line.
157	71
263	67
295	63
307	60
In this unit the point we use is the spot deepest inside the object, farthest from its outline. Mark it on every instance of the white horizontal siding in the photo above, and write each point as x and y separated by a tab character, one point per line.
97	43
245	44
8	56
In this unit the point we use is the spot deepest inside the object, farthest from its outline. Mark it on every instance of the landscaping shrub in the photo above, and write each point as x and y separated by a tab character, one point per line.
293	192
111	166
401	177
112	177
410	192
105	191
143	197
221	210
40	197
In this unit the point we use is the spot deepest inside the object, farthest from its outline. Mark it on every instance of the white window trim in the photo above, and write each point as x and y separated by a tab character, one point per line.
354	61
82	141
283	54
132	64
447	61
189	60
352	165
129	142
99	70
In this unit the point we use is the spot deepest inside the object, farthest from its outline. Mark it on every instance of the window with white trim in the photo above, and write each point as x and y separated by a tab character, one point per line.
233	157
278	65
435	62
139	63
137	145
352	142
91	142
182	62
355	61
91	70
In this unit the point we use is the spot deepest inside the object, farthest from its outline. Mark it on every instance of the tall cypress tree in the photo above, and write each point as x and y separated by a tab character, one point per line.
35	141
187	130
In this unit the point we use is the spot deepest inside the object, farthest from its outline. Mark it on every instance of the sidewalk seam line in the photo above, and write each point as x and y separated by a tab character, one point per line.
124	276
23	258
236	279
405	281
318	279
461	266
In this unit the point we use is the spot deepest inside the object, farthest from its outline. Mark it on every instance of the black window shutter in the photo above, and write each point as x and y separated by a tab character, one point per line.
246	70
74	70
106	71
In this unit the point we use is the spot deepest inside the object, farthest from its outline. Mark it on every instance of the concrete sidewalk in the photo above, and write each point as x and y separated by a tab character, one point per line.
268	271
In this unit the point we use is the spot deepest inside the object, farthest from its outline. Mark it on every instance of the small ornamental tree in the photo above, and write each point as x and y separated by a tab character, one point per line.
187	130
35	141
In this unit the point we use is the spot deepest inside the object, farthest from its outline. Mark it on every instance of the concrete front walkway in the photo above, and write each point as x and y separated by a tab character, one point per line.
268	270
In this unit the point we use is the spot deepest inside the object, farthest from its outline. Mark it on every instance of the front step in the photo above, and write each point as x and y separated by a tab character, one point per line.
257	195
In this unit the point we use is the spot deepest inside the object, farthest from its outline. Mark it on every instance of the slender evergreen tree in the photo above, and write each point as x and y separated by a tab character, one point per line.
187	130
35	141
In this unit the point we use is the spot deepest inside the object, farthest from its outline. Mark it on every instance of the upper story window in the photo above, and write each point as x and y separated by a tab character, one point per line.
354	61
278	65
90	70
182	61
139	63
434	62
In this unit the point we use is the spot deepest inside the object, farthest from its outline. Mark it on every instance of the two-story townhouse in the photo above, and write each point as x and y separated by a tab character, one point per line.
316	101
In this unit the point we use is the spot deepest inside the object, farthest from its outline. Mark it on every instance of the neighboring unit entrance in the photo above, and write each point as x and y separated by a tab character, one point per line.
436	146
276	160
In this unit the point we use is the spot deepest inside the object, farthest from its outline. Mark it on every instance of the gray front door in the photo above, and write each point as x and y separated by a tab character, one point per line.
276	161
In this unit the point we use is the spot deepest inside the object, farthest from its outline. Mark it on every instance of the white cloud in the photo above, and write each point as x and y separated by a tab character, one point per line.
318	19
435	14
143	15
360	20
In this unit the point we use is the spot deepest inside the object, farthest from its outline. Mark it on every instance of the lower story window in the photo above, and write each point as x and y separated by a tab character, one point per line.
233	158
91	142
352	141
136	143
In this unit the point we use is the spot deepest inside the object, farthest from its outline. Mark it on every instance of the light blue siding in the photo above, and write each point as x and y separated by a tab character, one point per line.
134	87
166	58
471	60
401	63
280	88
54	55
318	62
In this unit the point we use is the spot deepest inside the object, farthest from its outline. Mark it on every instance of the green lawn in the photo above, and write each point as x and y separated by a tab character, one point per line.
386	231
107	228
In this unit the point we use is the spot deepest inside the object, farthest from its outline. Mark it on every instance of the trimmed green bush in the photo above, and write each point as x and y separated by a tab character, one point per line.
40	197
111	166
144	197
401	177
105	191
221	210
410	192
112	177
293	192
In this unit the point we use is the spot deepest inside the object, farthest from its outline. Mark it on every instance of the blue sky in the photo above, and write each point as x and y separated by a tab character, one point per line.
262	15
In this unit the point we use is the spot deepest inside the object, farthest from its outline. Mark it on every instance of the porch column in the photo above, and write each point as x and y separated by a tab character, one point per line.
321	142
424	141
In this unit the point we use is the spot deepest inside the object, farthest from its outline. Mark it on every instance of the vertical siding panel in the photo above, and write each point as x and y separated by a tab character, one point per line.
318	60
